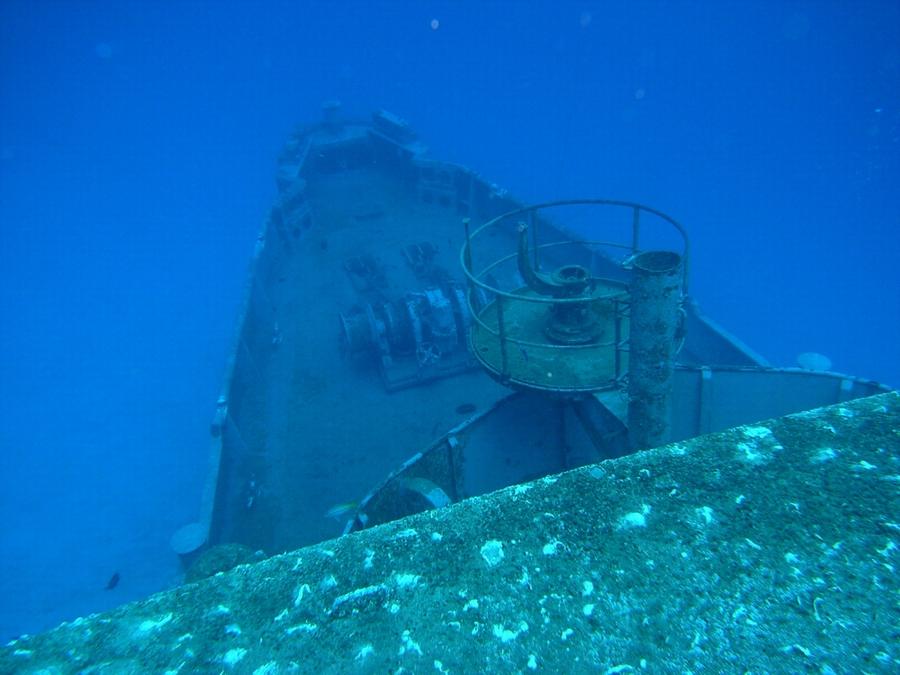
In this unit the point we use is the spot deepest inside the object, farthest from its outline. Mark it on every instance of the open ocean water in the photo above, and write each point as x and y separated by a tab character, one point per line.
137	156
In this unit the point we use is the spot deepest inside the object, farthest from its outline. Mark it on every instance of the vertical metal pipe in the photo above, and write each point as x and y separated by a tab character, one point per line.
501	331
655	307
468	255
617	319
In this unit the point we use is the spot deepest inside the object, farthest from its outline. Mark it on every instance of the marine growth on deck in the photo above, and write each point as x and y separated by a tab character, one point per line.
764	548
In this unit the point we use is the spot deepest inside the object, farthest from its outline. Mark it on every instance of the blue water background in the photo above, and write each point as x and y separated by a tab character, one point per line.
137	151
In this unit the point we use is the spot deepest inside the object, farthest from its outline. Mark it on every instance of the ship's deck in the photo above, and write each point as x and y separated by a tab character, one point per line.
329	431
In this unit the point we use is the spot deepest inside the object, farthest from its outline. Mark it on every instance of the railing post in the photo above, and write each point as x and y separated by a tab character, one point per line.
532	225
501	332
635	229
618	343
468	256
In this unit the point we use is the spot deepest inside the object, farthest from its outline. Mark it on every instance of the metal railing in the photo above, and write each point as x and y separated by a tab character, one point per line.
481	284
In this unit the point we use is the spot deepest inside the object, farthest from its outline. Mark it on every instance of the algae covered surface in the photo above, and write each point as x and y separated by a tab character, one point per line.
765	548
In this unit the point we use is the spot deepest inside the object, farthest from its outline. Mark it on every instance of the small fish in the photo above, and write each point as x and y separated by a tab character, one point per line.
113	581
339	511
466	408
524	353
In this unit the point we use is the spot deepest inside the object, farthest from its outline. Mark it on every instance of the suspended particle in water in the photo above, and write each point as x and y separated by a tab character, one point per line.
103	50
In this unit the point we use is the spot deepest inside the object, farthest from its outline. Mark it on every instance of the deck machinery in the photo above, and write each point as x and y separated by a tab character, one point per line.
580	329
368	345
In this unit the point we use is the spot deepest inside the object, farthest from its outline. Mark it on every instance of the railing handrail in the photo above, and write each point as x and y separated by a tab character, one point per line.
637	209
620	298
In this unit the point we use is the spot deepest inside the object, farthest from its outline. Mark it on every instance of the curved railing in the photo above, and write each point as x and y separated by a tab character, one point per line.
494	308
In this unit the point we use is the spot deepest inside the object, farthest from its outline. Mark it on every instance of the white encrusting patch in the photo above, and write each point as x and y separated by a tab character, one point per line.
302	590
409	645
750	453
760	446
525	579
634	518
824	455
552	548
406	580
357	594
706	515
506	635
233	656
888	549
152	625
492	552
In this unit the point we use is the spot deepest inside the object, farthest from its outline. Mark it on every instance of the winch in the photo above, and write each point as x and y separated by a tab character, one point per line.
417	337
